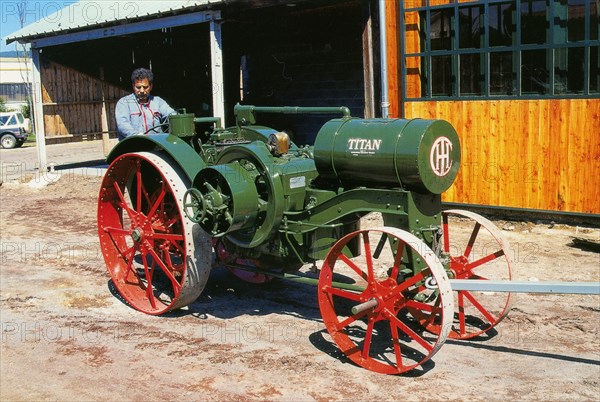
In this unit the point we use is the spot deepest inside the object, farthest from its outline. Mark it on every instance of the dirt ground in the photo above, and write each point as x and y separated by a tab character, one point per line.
66	336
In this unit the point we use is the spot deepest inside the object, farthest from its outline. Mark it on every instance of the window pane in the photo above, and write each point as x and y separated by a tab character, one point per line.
568	70
594	20
470	25
441	76
502	76
594	70
533	21
415	78
501	24
471	78
575	20
441	29
534	73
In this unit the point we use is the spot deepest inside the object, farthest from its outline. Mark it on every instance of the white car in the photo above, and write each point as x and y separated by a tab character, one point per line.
13	129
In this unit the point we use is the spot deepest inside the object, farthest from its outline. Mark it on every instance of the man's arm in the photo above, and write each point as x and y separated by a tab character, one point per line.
164	109
123	119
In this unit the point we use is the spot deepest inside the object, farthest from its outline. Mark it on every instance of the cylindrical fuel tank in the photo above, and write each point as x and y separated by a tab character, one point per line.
421	155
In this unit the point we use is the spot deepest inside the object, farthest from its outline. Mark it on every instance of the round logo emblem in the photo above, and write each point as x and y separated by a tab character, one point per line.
439	158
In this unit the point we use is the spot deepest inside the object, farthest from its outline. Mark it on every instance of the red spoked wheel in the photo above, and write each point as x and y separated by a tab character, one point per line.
157	259
364	300
478	251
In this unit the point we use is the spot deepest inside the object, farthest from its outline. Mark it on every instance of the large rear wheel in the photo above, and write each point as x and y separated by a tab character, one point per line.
158	260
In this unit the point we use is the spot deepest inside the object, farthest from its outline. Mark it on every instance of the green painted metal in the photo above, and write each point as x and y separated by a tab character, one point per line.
246	114
182	125
181	152
216	120
295	206
423	155
230	198
297	278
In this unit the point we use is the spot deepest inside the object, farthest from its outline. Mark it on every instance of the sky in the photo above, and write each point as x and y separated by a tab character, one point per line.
33	11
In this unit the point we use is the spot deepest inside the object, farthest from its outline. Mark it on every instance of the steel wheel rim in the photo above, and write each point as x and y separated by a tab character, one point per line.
383	339
158	260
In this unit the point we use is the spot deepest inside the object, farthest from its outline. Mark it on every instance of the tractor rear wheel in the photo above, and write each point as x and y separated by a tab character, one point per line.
157	259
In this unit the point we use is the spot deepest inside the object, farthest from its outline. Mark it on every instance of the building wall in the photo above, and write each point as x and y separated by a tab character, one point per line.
525	153
72	101
539	154
15	79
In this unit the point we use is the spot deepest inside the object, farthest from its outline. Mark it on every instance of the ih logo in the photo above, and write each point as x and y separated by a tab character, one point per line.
440	156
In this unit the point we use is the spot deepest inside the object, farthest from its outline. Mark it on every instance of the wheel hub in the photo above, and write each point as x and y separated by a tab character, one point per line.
137	235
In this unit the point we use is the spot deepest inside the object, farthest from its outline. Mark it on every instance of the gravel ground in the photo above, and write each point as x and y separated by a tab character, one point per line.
67	336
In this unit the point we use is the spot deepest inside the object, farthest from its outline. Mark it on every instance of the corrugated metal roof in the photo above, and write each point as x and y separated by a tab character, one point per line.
92	13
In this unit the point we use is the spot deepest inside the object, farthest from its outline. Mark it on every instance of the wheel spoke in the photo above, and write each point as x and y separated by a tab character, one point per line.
123	203
138	177
118	231
406	284
419	305
342	293
397	261
158	202
397	347
353	266
446	232
168	273
472	240
380	245
129	262
479	307
412	334
368	336
168	236
485	260
461	313
368	257
149	292
343	324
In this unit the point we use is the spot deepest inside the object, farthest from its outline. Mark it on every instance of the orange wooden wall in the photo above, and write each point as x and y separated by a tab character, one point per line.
539	154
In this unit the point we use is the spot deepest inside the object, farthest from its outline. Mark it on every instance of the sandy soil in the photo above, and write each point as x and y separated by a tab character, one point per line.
67	336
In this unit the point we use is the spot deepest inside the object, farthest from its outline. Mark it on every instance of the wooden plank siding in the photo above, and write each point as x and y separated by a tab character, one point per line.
539	154
72	102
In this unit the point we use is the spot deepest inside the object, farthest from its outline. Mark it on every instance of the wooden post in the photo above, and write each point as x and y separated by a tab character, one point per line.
216	48
38	111
106	142
367	44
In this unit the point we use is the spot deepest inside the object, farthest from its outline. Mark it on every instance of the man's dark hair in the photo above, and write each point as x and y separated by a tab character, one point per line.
140	74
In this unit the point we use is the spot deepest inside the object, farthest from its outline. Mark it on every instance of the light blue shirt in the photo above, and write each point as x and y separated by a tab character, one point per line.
134	118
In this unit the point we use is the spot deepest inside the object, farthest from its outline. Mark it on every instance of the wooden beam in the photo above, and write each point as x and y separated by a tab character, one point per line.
218	86
125	29
368	67
38	110
393	51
